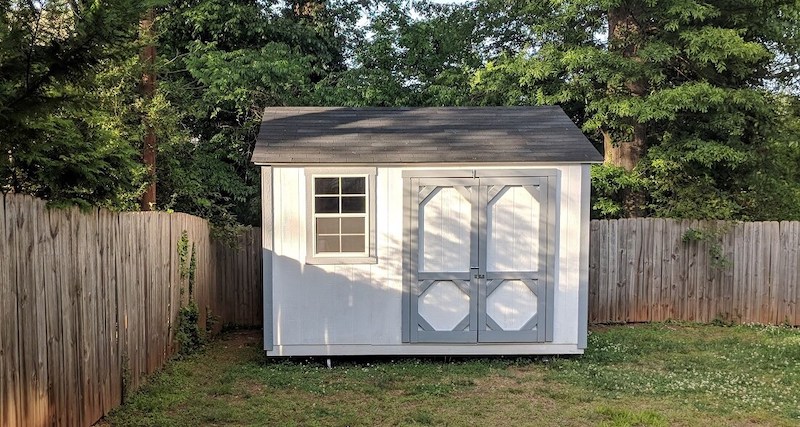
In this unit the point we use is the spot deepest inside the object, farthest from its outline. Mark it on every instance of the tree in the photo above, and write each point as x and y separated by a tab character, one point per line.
694	103
148	88
678	91
221	64
57	138
420	56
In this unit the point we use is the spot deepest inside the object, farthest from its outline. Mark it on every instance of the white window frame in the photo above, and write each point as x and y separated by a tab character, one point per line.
369	256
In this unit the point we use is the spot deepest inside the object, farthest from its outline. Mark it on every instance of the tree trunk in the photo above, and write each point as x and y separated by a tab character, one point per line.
625	154
624	36
148	87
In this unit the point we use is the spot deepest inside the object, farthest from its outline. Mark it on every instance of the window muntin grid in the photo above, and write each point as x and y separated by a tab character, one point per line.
340	219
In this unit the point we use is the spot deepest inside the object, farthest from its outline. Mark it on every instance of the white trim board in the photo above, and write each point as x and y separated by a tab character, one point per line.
423	350
267	246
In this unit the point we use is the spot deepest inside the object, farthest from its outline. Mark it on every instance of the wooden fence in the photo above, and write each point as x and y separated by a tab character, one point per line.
648	269
239	300
89	302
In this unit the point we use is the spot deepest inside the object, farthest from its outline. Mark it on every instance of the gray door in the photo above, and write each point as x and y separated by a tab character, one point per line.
514	299
443	247
479	259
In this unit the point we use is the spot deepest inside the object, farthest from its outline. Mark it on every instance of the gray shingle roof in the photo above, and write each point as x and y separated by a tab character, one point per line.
316	135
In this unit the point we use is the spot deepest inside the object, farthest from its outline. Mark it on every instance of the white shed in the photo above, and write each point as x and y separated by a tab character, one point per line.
424	231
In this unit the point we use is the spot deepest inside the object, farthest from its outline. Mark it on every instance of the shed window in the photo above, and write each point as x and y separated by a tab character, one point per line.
341	224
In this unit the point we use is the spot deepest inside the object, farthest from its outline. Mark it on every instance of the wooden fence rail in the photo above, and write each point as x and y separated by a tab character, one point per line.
649	269
89	303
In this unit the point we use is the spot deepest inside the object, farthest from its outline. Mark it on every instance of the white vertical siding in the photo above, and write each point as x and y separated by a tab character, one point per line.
568	258
334	304
327	305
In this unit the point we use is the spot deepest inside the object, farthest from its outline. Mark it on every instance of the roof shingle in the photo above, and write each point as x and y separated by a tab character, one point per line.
329	135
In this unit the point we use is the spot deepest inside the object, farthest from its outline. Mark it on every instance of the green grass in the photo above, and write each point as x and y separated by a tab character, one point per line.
644	375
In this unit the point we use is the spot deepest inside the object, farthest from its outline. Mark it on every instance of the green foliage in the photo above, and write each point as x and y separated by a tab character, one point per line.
188	335
221	64
126	377
71	115
712	237
61	137
409	61
692	74
700	77
183	253
211	321
192	271
610	184
773	189
711	86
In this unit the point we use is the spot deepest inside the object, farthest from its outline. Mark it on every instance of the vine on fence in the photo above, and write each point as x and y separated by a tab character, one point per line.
183	251
188	335
713	238
126	376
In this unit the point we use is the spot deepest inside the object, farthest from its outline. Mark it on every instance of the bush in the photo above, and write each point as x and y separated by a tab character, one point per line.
190	338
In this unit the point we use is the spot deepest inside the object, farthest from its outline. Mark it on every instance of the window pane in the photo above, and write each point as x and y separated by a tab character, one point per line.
327	244
354	185
327	225
326	205
326	185
353	225
352	204
353	243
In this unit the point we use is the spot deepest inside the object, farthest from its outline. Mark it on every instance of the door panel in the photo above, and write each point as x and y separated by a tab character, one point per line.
444	294
444	304
445	227
512	229
512	298
511	304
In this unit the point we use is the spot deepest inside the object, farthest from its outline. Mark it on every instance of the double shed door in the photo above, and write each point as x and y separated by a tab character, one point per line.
480	257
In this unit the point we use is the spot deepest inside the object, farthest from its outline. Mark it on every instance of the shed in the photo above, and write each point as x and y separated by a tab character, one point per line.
424	231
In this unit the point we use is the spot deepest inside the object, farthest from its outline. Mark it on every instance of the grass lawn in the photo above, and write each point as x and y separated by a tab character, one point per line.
642	375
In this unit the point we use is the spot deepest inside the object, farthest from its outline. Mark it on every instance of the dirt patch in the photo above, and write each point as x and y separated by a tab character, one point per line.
237	346
242	339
